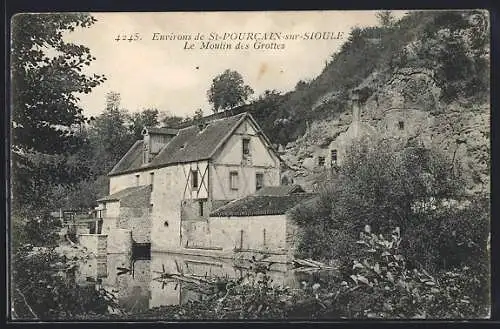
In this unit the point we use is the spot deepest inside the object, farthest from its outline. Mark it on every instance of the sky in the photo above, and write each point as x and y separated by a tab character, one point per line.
162	74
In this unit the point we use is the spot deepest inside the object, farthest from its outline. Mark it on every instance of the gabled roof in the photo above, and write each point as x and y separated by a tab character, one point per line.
261	205
131	160
279	190
189	145
136	196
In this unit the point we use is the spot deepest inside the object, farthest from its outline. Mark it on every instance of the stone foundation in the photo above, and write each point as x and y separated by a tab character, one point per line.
119	241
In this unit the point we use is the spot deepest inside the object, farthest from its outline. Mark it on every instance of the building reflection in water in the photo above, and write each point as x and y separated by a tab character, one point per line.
135	282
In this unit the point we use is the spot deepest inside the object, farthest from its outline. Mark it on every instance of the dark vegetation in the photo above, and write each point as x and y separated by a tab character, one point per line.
440	229
430	261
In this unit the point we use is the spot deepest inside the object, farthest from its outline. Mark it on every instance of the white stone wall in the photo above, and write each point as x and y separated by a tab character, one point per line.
94	243
120	182
220	182
264	233
170	183
260	155
119	241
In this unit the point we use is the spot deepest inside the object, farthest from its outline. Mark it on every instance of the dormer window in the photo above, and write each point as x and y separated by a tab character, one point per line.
246	148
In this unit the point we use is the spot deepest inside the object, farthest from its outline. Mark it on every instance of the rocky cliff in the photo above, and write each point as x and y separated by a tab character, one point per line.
434	86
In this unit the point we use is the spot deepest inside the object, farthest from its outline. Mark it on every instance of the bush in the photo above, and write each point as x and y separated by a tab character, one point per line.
42	288
382	286
384	185
450	236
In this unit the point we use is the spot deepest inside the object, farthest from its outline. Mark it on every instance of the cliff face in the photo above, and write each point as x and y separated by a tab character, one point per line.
461	131
433	91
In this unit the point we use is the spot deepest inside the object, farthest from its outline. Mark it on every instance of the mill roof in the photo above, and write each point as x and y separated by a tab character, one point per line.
188	145
261	205
131	160
191	144
136	196
279	190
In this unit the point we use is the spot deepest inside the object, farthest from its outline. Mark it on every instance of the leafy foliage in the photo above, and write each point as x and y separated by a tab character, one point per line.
385	18
379	185
382	286
46	78
43	288
145	118
385	185
228	90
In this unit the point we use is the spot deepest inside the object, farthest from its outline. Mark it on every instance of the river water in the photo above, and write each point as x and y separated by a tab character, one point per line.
137	285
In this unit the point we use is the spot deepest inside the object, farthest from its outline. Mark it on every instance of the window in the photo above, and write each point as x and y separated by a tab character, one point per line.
233	180
194	178
137	179
401	125
321	161
246	147
200	208
259	181
151	179
333	161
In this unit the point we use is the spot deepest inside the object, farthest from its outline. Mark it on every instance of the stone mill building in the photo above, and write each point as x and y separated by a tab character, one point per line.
210	188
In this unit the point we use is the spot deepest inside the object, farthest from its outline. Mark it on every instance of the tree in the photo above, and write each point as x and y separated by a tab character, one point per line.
228	90
46	78
385	18
109	135
169	120
146	118
384	184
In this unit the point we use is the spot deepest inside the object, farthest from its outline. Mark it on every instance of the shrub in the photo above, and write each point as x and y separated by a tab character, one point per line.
383	184
42	288
382	286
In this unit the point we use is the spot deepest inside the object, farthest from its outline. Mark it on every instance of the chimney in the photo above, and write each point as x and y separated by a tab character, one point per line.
146	156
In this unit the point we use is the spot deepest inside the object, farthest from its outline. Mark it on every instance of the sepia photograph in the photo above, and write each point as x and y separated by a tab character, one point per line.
250	165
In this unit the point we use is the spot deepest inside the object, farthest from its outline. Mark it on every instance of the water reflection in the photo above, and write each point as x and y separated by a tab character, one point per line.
137	285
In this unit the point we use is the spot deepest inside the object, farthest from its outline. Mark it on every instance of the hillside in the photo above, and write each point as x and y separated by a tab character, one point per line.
436	62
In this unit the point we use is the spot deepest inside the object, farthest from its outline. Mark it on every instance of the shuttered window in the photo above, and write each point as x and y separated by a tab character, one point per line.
233	180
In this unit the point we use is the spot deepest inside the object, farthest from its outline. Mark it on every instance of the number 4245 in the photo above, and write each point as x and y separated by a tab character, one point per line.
128	37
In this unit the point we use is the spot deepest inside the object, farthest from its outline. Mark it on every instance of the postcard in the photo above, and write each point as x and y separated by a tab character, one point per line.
272	165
